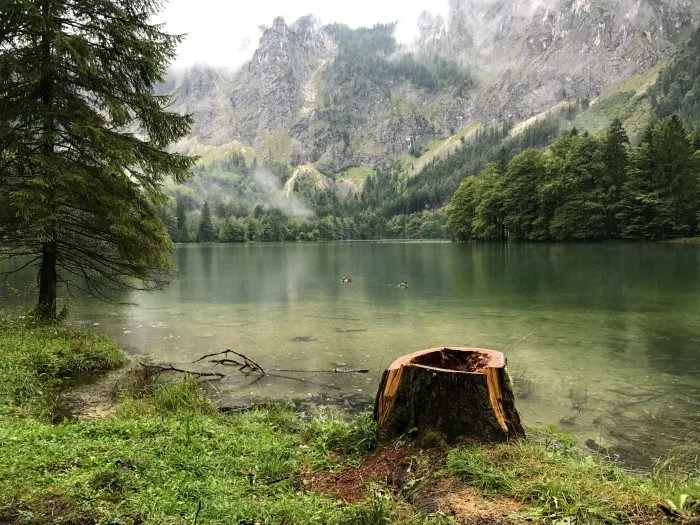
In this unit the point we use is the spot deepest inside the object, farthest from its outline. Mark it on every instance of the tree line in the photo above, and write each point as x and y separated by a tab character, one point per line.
586	188
271	225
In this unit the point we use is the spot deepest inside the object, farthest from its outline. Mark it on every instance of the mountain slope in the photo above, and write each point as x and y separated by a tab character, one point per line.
340	98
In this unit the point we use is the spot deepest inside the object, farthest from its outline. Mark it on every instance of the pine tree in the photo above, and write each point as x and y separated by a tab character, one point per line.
677	171
82	140
616	160
660	196
206	230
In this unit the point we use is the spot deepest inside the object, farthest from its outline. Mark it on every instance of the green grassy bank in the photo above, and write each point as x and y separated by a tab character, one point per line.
167	455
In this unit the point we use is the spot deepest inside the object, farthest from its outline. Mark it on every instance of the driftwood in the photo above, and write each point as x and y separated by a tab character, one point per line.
152	370
333	371
247	361
247	366
461	392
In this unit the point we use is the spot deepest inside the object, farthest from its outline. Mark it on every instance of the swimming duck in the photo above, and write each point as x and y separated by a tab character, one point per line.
346	280
403	284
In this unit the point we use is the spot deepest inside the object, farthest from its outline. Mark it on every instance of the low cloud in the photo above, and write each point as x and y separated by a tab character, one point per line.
273	195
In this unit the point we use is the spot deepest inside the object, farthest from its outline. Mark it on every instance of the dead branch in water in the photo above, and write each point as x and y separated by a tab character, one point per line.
224	353
299	379
247	361
246	366
333	371
159	369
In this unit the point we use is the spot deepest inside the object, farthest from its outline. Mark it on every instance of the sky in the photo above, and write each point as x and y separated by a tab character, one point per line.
225	32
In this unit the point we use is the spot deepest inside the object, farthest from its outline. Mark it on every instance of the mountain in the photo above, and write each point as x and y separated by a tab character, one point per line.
535	53
340	98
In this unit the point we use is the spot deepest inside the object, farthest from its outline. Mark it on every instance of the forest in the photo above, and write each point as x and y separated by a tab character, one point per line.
586	188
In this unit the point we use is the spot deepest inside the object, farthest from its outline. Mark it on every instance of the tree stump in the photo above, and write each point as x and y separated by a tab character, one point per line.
461	392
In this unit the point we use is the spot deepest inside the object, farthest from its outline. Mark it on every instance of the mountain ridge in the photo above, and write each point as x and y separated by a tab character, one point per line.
315	94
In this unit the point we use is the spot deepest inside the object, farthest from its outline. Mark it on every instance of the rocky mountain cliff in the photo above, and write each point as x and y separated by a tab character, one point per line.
339	98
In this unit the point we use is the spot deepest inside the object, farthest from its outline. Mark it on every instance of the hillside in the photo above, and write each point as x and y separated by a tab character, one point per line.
340	98
335	153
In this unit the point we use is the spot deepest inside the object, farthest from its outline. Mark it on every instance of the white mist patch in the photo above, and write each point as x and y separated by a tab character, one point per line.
271	189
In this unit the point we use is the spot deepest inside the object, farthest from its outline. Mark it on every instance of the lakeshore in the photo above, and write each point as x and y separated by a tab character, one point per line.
164	453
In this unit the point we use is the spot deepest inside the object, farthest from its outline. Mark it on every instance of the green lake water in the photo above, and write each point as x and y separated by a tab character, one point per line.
602	340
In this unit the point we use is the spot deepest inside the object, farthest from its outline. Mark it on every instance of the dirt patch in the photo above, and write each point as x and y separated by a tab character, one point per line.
392	465
47	509
466	505
95	397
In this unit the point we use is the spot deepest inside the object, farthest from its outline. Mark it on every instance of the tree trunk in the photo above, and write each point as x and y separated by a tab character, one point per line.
46	309
461	392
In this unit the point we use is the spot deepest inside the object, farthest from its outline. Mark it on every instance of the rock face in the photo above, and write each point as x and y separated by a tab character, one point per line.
543	51
290	104
279	85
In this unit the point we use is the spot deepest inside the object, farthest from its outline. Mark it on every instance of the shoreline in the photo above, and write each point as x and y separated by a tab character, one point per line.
280	464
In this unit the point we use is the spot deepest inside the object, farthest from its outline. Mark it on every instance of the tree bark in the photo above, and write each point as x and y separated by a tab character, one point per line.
461	392
46	308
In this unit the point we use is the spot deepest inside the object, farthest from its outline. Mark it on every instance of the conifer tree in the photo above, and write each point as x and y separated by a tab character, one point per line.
82	140
616	160
660	196
206	230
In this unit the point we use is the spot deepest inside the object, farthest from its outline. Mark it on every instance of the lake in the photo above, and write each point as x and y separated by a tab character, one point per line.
602	340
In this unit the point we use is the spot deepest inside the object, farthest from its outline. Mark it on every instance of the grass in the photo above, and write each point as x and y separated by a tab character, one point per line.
633	109
564	487
35	361
164	453
628	101
167	455
358	173
439	148
276	146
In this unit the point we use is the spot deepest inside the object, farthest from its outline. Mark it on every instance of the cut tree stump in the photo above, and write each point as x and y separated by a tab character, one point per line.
461	392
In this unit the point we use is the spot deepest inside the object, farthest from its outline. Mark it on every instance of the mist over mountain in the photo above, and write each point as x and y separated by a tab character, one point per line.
340	98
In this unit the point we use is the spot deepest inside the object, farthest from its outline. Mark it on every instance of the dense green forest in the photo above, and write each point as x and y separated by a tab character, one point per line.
677	89
586	188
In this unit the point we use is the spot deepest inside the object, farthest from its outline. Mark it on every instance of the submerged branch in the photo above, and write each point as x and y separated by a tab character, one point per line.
159	369
333	371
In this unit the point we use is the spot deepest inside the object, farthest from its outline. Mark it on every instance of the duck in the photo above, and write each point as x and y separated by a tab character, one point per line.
346	280
403	284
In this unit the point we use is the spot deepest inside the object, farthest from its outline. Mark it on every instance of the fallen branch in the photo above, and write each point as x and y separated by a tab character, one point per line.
159	369
334	371
332	387
196	515
273	481
225	352
225	362
247	361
